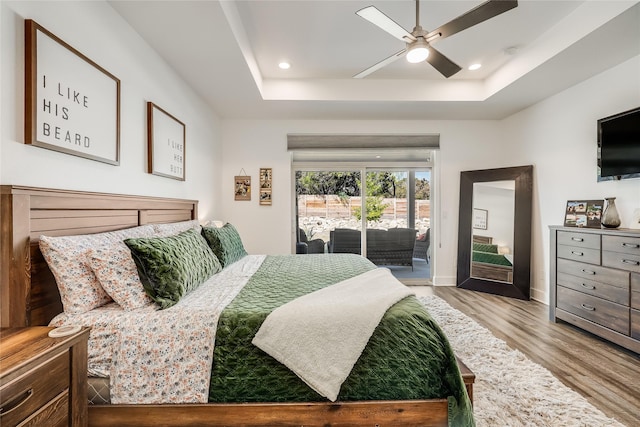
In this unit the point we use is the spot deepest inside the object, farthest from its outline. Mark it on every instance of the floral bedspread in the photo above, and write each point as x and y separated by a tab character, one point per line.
143	352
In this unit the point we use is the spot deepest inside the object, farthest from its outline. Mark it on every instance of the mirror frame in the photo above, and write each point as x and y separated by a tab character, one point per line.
521	285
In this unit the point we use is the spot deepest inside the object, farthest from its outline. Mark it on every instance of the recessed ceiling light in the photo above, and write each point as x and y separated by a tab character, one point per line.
284	65
474	67
378	156
511	50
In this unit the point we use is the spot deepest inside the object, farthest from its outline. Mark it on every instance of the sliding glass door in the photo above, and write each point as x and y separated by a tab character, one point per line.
326	201
396	219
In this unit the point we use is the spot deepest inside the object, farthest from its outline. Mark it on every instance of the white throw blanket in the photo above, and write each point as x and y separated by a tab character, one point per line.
321	335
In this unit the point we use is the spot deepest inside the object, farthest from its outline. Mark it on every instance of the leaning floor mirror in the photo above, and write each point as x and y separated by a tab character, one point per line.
494	231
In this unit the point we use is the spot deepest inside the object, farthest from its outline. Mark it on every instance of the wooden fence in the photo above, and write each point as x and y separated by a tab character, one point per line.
342	208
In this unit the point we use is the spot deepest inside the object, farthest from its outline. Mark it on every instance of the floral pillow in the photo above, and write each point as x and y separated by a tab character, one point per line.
67	257
117	273
172	266
171	229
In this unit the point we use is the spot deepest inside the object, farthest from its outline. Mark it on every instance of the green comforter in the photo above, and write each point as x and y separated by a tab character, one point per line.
491	258
408	356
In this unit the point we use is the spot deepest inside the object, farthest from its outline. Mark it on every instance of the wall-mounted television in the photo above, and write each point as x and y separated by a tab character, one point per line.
619	146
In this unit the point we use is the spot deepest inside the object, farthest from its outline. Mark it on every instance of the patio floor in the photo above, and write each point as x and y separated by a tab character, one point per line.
420	276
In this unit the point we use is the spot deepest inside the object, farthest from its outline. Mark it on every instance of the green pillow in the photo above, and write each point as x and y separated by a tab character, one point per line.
485	247
171	267
225	243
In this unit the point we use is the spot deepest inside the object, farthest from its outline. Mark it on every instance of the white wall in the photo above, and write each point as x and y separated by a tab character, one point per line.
97	31
558	136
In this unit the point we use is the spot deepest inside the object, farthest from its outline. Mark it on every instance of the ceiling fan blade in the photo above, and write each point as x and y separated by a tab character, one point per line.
380	64
486	10
373	15
444	65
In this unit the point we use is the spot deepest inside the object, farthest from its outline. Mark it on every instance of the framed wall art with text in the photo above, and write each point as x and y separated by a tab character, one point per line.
72	105
166	138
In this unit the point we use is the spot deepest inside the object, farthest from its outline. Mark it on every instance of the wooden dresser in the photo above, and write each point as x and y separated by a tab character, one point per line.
595	282
43	381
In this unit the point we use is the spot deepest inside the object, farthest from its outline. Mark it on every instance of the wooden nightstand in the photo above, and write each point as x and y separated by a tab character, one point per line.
43	381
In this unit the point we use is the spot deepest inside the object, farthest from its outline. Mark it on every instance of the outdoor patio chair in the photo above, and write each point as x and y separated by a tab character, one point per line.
421	246
306	246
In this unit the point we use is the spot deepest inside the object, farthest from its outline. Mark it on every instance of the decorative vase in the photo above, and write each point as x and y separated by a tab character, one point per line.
610	217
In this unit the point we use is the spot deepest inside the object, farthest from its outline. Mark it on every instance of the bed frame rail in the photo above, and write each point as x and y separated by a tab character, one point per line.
408	413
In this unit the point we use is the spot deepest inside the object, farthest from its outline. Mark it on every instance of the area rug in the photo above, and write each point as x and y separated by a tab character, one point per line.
511	390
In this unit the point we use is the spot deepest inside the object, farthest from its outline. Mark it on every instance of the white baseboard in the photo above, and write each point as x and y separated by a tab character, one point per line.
444	280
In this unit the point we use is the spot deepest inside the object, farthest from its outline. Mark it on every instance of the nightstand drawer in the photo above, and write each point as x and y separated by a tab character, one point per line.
33	390
591	256
55	414
611	315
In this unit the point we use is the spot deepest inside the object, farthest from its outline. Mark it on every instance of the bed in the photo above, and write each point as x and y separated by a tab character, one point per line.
488	263
30	297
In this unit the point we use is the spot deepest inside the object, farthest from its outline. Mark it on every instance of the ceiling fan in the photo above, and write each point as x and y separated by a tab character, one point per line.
418	42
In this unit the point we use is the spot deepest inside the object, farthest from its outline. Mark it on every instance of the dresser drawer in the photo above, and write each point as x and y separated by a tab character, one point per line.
635	324
605	313
612	293
620	260
592	256
29	392
622	244
635	291
579	240
595	273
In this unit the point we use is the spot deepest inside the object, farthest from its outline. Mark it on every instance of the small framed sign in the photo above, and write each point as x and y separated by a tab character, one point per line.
266	179
72	105
583	213
166	141
242	187
480	219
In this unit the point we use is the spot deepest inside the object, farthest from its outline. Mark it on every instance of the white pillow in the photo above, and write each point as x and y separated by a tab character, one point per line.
171	229
79	288
117	273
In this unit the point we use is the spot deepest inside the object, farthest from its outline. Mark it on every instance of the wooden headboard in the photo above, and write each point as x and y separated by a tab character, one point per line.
482	239
28	292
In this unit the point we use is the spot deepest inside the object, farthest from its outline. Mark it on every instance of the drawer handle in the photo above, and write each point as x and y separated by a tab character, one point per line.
591	288
631	261
16	402
588	307
630	245
577	253
577	239
588	271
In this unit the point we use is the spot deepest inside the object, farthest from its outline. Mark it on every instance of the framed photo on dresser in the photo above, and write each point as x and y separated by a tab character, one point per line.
583	213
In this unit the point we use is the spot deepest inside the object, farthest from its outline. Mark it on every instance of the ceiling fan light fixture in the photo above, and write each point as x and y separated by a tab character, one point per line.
418	51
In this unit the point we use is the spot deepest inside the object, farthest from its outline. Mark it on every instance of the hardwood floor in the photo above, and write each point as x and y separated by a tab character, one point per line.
607	375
